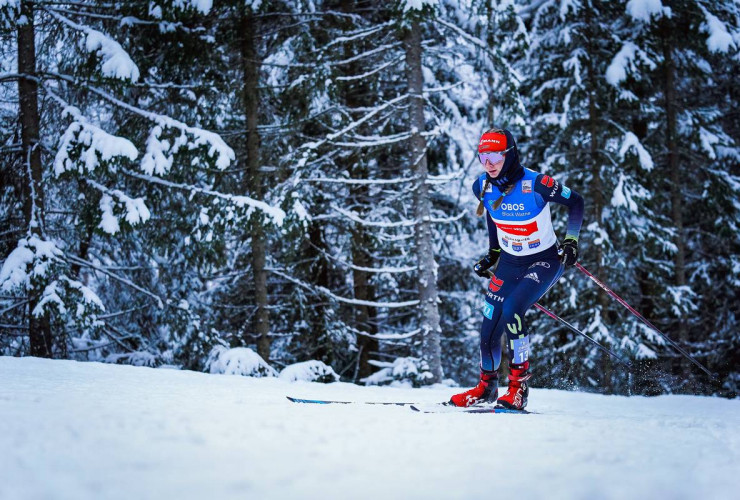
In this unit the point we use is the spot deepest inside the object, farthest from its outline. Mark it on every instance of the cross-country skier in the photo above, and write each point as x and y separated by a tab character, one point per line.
522	241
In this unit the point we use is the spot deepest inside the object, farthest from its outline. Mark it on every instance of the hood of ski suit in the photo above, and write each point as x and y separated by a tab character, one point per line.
512	170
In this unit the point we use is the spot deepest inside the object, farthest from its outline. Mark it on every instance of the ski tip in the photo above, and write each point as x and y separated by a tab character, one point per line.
503	409
311	401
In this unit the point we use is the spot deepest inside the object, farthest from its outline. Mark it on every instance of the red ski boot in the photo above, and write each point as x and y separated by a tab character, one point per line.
516	395
485	392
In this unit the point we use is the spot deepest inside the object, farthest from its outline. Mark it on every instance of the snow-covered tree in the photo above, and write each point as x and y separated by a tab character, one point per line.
673	61
83	166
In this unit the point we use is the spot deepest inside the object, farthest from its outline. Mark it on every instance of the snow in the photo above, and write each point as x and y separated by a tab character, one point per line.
708	140
31	258
97	145
136	211
309	371
418	4
13	273
238	361
566	5
719	39
108	221
116	63
401	372
643	10
631	141
155	160
95	431
202	6
620	196
624	61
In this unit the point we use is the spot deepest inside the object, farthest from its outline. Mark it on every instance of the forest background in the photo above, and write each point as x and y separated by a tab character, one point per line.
184	178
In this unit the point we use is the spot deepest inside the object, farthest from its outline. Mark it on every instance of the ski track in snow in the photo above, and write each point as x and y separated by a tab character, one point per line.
73	430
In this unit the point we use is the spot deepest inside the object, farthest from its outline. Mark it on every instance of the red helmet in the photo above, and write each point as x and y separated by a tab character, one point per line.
492	141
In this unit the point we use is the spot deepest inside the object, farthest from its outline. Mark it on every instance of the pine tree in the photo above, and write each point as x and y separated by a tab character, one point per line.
680	74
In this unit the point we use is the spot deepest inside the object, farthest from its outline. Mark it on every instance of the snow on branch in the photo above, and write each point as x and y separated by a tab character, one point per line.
89	301
708	140
136	210
448	219
632	142
466	36
625	192
624	61
116	62
403	269
719	39
277	214
31	259
359	34
369	53
371	141
217	148
315	145
643	10
445	88
324	291
202	6
97	144
359	181
371	72
441	179
418	4
385	336
354	217
76	260
160	154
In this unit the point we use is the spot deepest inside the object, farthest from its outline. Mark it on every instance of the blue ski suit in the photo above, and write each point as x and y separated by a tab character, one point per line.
529	265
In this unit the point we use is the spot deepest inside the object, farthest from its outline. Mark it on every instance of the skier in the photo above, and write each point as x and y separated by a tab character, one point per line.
522	241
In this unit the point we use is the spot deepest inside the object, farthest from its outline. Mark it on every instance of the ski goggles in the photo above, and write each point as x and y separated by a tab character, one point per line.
493	157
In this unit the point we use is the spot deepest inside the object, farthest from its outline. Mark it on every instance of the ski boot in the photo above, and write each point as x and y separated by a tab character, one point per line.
485	392
518	391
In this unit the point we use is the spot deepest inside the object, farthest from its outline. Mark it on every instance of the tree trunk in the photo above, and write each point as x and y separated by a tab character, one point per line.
39	328
427	275
253	184
597	189
676	177
356	94
320	345
362	291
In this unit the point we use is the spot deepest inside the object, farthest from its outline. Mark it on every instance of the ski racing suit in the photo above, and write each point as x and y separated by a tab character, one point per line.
529	264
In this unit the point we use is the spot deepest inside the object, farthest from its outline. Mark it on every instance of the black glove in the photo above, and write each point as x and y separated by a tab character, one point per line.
569	252
487	262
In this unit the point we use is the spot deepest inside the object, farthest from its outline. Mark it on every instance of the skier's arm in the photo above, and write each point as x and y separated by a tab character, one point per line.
552	190
492	231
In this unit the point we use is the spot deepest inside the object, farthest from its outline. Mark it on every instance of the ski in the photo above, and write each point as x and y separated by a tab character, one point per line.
328	402
444	408
421	408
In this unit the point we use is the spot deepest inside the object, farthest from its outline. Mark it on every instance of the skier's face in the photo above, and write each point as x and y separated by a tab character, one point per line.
493	161
494	169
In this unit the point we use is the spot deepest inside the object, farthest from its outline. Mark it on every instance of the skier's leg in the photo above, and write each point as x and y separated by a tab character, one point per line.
502	284
535	282
490	342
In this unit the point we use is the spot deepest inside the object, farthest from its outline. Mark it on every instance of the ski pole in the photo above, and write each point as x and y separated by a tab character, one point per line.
576	330
644	320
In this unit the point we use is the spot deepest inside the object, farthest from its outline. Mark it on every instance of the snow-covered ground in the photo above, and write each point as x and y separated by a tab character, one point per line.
86	430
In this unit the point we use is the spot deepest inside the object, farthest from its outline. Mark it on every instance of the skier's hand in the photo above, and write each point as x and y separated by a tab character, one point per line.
487	262
569	254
